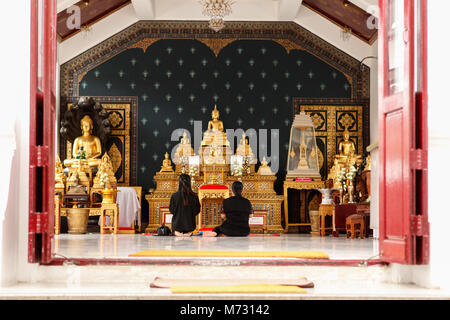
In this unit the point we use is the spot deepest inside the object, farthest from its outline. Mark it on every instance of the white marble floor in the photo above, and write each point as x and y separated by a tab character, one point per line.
111	246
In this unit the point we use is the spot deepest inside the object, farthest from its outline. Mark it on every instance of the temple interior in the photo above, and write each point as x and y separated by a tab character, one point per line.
293	119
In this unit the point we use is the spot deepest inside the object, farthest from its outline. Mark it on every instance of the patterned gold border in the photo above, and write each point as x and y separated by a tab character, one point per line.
332	134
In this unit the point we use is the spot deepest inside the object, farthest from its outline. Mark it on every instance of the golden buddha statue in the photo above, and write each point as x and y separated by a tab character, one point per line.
74	186
105	169
214	156
333	174
184	149
346	149
245	150
303	162
77	177
86	146
60	177
215	134
167	164
264	168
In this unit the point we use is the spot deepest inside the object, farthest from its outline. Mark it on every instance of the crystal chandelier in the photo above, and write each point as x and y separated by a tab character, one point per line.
216	10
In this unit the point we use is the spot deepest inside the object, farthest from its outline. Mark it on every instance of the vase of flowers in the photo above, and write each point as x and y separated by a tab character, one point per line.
342	186
350	176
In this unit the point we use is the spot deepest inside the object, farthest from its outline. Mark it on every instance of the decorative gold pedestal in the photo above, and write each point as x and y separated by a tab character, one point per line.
298	185
326	210
257	188
109	209
315	222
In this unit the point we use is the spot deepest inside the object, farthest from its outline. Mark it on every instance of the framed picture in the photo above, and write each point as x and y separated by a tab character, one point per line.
258	221
166	216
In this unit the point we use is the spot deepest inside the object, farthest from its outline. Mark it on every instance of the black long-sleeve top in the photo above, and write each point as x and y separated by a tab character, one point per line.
237	210
183	219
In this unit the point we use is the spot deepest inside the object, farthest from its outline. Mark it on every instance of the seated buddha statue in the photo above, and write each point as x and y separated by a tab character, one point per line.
302	148
264	168
245	150
167	164
86	146
214	155
215	134
184	149
105	168
333	174
346	149
60	177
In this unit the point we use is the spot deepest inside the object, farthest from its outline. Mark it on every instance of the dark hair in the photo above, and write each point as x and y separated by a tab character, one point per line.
237	188
184	185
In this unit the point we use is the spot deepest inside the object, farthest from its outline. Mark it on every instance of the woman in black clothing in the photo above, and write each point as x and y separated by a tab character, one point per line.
184	206
237	210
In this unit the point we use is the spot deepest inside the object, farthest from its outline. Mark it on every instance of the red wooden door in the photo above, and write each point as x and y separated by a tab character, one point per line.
402	132
42	130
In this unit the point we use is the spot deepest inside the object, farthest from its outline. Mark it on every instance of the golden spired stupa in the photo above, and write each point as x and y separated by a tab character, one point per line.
211	166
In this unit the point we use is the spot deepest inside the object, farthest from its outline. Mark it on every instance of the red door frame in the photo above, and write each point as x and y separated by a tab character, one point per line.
403	147
42	132
412	247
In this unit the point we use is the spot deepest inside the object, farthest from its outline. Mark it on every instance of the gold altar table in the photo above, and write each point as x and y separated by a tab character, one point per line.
211	197
298	185
257	188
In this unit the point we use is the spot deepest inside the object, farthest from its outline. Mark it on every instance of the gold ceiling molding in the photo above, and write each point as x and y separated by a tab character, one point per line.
288	45
144	43
216	44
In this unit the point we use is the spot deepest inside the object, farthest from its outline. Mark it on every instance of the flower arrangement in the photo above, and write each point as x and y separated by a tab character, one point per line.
341	175
104	179
193	171
351	173
238	171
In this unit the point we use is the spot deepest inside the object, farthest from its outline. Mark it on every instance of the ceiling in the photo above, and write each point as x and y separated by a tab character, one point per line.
91	11
343	13
346	15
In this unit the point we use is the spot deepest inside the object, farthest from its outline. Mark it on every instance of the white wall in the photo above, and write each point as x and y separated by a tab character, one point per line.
439	142
14	129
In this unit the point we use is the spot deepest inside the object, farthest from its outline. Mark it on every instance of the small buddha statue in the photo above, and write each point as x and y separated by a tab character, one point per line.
215	133
333	174
184	149
60	177
167	164
105	168
75	186
245	150
264	168
346	149
303	162
214	155
86	144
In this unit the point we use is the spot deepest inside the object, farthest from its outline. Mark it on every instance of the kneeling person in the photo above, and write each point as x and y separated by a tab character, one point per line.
237	211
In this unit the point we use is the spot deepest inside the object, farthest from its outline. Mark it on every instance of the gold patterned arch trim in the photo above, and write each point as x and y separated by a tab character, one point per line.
330	122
